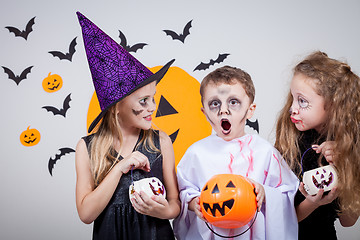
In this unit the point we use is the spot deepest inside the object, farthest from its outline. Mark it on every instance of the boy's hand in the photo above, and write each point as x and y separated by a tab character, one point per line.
194	205
260	193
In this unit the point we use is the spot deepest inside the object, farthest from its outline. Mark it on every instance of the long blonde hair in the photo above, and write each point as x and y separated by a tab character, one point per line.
340	88
102	152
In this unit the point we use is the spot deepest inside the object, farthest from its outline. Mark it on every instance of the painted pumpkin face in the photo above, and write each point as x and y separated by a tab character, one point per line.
30	137
228	201
320	178
151	186
52	83
178	110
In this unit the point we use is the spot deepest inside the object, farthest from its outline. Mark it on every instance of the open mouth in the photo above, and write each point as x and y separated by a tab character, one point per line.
226	126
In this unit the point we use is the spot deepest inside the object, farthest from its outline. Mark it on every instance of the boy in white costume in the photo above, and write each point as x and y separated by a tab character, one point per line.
227	95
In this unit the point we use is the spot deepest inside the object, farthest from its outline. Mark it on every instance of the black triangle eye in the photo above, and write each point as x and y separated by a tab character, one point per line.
216	189
165	108
174	135
205	188
230	185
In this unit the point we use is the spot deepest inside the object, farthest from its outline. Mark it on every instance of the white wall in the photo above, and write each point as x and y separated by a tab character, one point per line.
265	38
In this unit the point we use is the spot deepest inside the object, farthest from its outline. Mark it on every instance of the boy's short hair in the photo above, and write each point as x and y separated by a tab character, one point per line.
229	75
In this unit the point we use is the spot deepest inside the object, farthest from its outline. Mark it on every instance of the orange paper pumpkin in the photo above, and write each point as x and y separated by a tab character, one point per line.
30	137
52	83
228	201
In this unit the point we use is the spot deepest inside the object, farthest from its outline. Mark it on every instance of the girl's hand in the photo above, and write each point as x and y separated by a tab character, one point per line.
194	205
327	149
260	193
135	160
154	206
319	199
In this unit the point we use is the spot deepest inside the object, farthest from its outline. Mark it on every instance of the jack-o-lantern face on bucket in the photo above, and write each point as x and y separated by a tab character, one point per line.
52	83
228	201
178	110
320	178
151	186
30	137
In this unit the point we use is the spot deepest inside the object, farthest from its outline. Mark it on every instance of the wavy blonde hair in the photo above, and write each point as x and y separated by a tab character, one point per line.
340	88
102	152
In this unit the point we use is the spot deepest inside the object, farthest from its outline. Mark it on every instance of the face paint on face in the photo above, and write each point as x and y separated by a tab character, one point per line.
308	108
226	107
137	112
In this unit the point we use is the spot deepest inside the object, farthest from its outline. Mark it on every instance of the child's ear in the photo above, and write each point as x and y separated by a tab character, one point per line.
251	110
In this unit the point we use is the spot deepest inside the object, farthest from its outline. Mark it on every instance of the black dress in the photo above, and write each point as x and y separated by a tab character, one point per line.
320	223
119	220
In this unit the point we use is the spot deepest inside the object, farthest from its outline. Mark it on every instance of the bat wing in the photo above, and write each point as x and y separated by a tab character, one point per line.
221	58
52	162
136	47
123	41
54	110
14	30
173	34
28	28
58	54
186	31
202	66
25	73
66	105
254	125
72	49
10	74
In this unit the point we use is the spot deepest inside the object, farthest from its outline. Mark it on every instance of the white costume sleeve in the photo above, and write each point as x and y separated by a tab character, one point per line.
280	188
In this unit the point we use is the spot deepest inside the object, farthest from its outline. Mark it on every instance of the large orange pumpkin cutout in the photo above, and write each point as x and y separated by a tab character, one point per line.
228	201
30	137
52	83
178	110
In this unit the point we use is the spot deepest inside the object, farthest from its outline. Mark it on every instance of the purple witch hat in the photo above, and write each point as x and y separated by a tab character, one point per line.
115	72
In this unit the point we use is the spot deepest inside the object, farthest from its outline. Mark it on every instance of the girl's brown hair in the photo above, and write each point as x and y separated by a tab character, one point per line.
340	88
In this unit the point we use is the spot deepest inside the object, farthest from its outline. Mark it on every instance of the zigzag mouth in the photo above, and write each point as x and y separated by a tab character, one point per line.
31	141
216	206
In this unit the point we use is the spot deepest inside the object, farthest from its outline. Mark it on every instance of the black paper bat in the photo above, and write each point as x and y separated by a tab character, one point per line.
22	33
67	56
52	162
254	125
17	79
203	66
181	37
61	111
129	48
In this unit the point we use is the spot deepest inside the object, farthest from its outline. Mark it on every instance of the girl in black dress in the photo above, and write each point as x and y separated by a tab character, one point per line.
124	148
322	115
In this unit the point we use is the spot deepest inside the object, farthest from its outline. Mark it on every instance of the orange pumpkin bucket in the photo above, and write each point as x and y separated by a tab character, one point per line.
228	201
